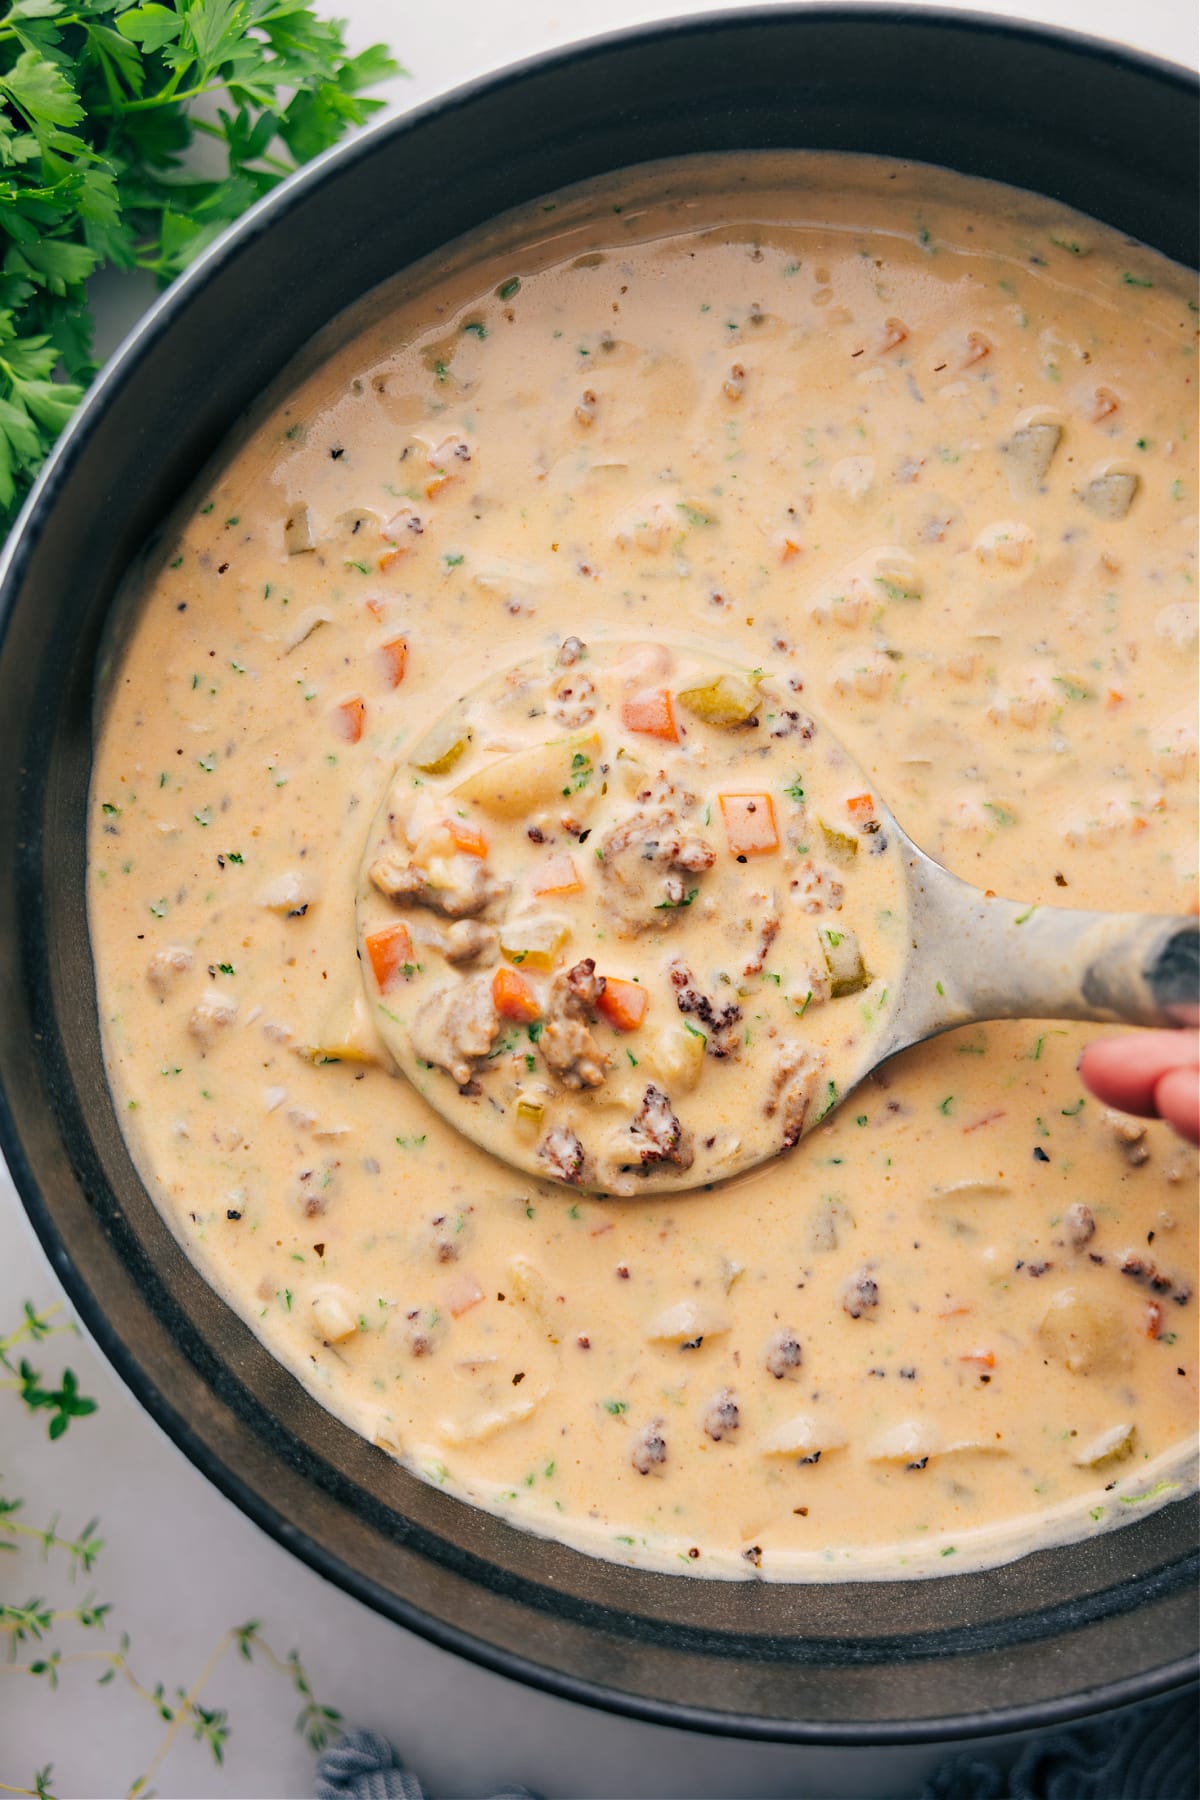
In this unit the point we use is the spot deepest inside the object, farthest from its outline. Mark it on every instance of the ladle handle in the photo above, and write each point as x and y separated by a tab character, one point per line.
986	958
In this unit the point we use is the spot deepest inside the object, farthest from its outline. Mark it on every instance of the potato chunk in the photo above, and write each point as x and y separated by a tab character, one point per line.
345	1031
1082	1334
1111	495
1031	451
687	1323
529	781
909	1441
1110	1446
333	1315
676	1057
533	939
804	1436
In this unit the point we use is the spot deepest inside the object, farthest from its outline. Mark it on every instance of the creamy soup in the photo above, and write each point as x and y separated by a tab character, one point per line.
454	794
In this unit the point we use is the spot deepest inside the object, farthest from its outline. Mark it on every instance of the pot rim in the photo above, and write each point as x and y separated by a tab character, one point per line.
268	215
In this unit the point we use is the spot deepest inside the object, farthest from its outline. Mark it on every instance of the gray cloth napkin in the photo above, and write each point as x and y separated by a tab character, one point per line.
1149	1752
364	1766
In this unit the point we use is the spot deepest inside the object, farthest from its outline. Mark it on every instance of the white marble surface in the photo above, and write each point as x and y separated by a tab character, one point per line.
180	1563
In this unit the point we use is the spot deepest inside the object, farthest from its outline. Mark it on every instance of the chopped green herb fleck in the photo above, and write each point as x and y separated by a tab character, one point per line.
831	1101
669	905
895	589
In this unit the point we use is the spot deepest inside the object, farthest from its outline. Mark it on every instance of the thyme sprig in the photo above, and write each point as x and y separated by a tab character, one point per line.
32	1628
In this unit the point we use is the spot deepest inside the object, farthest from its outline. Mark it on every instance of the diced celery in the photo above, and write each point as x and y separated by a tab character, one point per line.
443	744
843	958
840	847
728	701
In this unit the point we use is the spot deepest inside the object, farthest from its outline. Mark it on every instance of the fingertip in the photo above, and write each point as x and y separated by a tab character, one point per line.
1126	1072
1177	1100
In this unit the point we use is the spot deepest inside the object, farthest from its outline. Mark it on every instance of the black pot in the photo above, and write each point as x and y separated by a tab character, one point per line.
1056	1634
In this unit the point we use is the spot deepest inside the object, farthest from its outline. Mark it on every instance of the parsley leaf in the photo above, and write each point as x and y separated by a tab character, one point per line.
96	127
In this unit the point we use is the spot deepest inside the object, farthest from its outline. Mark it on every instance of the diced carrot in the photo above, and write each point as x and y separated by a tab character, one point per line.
977	348
1115	697
790	548
1106	405
652	712
623	1003
464	1293
1140	824
394	655
466	838
349	718
514	998
985	1358
749	821
1154	1318
384	562
557	875
956	1310
390	951
375	608
861	806
436	483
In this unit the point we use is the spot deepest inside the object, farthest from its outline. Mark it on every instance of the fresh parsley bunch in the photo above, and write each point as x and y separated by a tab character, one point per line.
98	110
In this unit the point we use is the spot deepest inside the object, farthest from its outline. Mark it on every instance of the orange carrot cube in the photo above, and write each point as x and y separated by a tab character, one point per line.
652	712
466	838
623	1003
462	1294
394	656
349	718
749	821
391	953
514	998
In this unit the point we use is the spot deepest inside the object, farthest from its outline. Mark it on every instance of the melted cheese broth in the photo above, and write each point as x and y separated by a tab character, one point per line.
923	447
